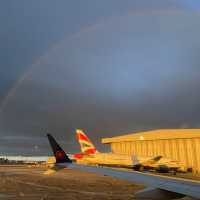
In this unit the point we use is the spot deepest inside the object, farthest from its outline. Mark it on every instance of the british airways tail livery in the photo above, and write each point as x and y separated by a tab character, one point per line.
86	145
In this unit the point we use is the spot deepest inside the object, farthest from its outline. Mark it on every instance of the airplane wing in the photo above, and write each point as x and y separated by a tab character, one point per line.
166	186
139	165
158	187
150	162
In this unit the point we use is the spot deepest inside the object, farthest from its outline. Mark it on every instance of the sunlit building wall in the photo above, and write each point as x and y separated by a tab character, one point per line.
182	145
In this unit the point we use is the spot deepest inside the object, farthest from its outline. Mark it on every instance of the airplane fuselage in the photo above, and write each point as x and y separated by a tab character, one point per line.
106	159
127	161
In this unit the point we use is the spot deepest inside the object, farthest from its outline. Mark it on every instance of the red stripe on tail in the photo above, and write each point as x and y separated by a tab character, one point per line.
83	137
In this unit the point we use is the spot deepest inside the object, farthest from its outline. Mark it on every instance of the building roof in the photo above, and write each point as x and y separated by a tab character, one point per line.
155	135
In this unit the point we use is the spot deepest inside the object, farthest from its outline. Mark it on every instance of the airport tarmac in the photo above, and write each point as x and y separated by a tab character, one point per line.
23	182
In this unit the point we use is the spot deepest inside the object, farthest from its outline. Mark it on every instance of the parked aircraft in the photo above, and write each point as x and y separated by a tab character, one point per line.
158	187
90	155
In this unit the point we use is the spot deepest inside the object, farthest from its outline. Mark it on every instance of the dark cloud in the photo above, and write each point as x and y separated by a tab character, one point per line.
113	68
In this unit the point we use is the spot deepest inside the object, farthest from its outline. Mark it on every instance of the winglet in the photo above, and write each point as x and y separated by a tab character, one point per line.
58	152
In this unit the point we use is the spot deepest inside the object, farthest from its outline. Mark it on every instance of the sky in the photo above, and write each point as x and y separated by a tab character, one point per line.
109	67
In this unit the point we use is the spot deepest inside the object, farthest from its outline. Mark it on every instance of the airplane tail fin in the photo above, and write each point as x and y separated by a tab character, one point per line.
58	152
86	145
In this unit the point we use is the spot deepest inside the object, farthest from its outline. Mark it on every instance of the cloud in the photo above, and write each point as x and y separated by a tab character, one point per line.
136	73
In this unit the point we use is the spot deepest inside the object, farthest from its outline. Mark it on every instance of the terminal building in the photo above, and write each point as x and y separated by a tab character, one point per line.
182	145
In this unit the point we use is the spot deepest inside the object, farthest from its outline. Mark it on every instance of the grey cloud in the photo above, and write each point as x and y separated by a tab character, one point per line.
128	73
